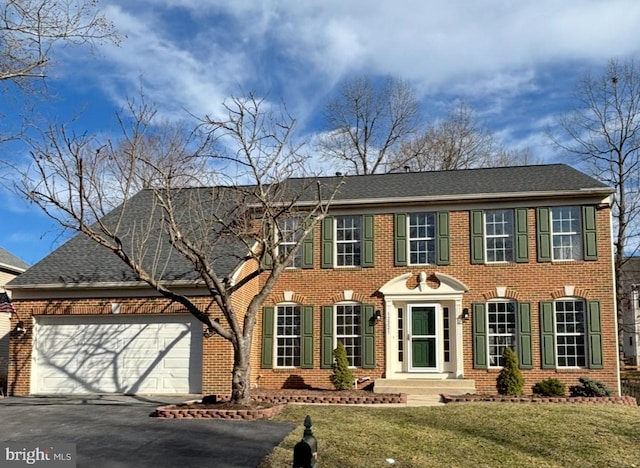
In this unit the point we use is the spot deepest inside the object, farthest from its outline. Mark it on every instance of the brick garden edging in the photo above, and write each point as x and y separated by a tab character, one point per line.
279	403
618	400
179	412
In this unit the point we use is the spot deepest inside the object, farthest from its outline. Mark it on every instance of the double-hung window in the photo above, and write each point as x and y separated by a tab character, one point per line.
570	333
288	336
348	240
288	236
349	331
499	235
422	238
501	330
566	233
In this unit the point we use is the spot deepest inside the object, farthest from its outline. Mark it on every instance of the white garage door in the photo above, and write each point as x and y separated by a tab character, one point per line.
117	354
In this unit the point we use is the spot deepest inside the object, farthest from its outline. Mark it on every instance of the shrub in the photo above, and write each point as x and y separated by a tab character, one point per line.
510	380
342	377
589	388
549	387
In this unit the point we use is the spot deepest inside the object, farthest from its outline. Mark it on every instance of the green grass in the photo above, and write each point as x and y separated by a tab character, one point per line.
467	435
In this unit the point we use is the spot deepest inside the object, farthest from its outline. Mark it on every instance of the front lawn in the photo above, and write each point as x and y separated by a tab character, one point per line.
467	435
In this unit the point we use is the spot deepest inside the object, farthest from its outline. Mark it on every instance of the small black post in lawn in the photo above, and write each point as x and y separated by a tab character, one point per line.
305	452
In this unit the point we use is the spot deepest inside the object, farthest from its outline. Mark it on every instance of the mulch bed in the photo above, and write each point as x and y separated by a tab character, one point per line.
265	404
619	400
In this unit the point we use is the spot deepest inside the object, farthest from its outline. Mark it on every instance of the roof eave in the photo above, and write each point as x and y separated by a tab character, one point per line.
604	191
105	285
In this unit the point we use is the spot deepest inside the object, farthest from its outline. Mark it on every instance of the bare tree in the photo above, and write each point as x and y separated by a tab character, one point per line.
457	142
30	31
244	219
603	132
367	122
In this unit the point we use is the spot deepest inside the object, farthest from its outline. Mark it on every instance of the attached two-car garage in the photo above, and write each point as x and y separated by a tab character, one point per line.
152	354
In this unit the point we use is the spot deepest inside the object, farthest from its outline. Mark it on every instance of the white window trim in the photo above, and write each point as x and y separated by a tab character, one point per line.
276	336
336	242
584	334
501	236
335	326
514	335
577	233
409	238
279	243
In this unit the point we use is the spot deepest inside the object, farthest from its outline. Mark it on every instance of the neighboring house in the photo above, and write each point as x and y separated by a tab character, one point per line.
10	267
631	311
425	277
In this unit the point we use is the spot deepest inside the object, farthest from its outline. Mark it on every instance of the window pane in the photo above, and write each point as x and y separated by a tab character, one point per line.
570	333
499	235
348	238
349	331
422	242
288	336
501	330
566	233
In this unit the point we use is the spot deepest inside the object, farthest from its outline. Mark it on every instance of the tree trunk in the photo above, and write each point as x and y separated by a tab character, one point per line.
241	374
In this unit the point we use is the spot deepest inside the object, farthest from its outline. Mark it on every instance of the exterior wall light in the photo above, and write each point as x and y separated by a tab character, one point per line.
465	314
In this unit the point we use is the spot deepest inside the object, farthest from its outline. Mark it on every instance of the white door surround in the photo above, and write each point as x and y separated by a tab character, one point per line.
399	300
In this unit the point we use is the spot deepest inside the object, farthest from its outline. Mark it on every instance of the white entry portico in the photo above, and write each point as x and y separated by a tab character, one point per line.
423	327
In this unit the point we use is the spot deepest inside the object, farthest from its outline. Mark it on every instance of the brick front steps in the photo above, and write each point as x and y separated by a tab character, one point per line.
279	400
621	400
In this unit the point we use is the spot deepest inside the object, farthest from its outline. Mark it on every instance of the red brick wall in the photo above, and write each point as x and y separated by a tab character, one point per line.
530	282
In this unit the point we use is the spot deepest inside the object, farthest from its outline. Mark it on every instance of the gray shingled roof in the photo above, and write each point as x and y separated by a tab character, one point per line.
80	260
12	262
461	184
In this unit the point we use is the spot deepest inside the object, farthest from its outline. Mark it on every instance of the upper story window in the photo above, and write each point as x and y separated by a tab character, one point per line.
288	335
566	233
288	236
348	240
499	235
422	238
501	330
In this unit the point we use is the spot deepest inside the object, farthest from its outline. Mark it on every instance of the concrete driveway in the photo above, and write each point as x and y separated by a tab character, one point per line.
116	431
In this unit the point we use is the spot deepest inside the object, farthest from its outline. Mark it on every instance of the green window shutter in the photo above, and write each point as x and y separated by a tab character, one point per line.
479	336
307	251
543	234
589	233
327	243
547	341
267	261
442	238
477	237
306	340
368	337
367	241
267	337
525	342
595	335
522	236
400	239
327	338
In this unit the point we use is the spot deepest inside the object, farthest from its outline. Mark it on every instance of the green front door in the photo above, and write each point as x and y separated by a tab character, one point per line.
423	337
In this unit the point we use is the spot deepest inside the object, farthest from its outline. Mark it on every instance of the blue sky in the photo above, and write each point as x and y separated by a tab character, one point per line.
516	63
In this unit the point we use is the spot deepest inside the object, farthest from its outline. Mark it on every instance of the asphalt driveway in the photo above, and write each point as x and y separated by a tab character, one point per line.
116	431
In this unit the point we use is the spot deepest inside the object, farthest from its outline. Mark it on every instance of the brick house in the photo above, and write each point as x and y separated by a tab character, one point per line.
425	277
